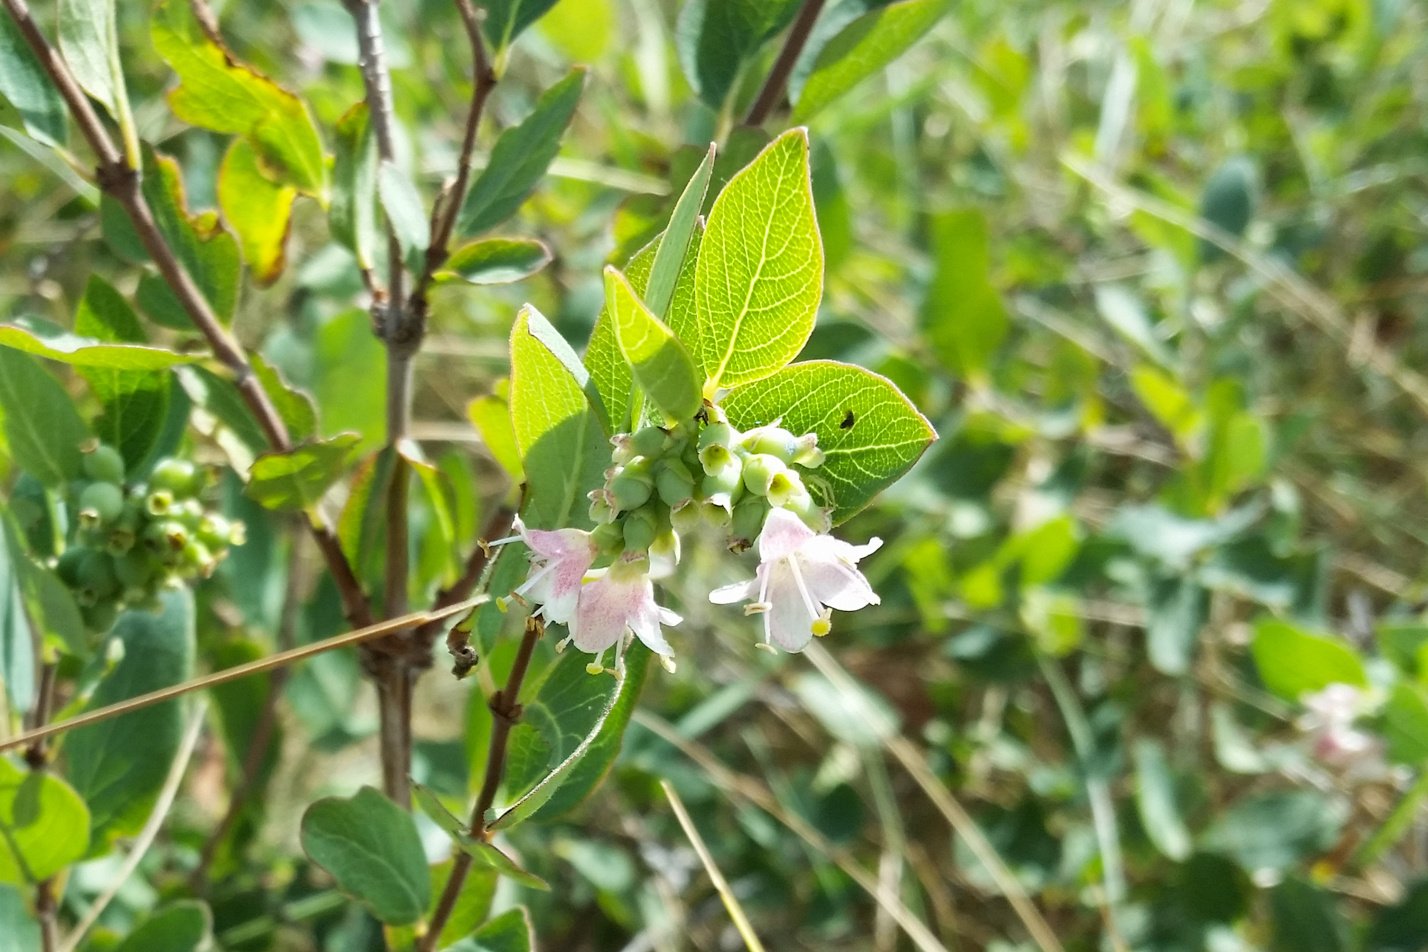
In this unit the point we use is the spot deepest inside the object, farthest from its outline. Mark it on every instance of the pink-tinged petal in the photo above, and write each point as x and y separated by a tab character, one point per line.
827	547
783	535
561	608
787	623
602	614
560	544
837	585
736	592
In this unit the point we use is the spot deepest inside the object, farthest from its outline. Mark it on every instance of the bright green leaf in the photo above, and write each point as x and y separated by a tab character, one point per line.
491	415
869	433
294	407
520	157
297	479
496	261
118	765
963	314
350	378
759	276
55	343
28	89
563	449
1293	662
372	848
660	363
257	208
44	824
863	48
42	428
482	852
682	231
1405	724
219	93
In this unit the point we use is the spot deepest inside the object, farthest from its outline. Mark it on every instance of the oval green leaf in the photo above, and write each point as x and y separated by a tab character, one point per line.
660	363
496	261
372	848
44	825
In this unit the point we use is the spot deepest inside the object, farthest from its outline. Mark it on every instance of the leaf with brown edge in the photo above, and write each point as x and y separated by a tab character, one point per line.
257	208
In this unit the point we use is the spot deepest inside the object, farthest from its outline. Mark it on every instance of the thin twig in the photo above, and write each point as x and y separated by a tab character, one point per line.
506	713
716	876
281	659
773	89
146	836
483	81
498	526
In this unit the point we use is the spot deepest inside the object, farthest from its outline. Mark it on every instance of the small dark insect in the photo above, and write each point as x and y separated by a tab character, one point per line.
847	423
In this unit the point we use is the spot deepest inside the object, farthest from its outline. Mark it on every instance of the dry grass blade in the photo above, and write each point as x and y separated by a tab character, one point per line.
731	902
751	791
278	660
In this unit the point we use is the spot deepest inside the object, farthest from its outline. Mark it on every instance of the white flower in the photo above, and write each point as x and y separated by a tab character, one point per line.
802	575
618	601
559	561
1336	742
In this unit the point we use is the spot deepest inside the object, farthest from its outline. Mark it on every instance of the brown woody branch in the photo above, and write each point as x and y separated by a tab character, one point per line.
774	86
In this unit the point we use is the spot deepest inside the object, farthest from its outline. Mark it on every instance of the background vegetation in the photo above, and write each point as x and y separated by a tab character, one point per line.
1152	270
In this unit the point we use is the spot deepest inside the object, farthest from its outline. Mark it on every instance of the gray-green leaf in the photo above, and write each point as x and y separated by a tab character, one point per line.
372	848
298	478
24	83
495	261
42	428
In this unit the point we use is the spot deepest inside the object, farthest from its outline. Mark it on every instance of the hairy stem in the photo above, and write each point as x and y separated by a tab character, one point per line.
773	89
506	713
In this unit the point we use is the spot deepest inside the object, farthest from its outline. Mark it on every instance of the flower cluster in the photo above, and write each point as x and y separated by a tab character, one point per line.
131	539
666	482
1335	740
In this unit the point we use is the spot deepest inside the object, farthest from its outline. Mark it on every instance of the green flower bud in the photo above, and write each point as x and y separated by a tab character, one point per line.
724	487
67	567
685	516
717	434
159	502
609	538
715	457
197	559
100	504
674	483
179	477
214	531
713	514
760	471
640	530
632	486
772	440
785	486
104	464
135	569
624	448
96	576
650	441
99	617
808	454
166	539
120	540
602	509
747	521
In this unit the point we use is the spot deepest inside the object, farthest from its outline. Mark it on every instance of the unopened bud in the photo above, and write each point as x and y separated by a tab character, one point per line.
179	477
602	506
808	454
624	449
685	516
640	530
784	487
760	471
159	502
100	504
609	537
650	441
104	464
674	483
747	520
772	440
632	487
724	487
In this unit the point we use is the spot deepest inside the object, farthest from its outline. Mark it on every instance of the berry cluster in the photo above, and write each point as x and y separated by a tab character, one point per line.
130	539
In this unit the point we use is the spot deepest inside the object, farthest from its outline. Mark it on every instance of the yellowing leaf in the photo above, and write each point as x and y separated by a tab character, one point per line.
218	92
256	207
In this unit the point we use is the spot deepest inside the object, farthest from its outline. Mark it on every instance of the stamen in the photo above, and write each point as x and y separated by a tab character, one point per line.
560	645
756	608
813	613
507	540
502	604
764	645
668	663
595	667
823	623
535	578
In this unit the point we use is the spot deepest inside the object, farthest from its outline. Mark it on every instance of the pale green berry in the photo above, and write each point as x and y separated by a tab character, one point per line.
100	504
104	464
179	477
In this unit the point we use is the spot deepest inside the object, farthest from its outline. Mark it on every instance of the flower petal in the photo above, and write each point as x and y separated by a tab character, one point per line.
783	535
837	585
787	624
736	592
601	614
646	626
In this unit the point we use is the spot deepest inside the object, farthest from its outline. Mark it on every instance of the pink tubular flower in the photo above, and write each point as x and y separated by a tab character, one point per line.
621	600
802	576
559	561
